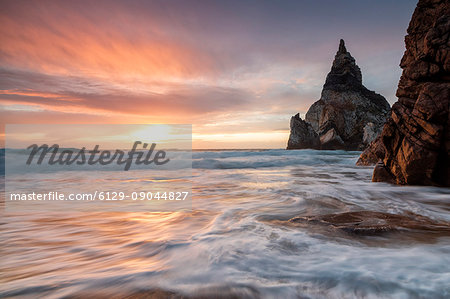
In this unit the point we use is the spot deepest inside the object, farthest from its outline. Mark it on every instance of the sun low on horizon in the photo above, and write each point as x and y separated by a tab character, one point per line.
234	71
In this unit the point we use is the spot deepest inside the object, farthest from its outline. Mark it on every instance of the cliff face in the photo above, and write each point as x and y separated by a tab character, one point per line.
414	145
348	115
302	135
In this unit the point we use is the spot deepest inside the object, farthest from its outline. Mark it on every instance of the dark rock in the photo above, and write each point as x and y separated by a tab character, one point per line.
147	294
302	135
382	174
347	115
371	223
373	154
218	292
331	140
415	142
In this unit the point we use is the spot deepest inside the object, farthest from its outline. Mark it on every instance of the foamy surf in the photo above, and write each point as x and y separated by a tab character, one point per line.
233	241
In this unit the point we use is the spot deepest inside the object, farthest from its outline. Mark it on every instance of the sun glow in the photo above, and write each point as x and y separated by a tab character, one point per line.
153	133
235	140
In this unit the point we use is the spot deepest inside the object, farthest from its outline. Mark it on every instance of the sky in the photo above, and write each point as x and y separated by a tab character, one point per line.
236	70
106	136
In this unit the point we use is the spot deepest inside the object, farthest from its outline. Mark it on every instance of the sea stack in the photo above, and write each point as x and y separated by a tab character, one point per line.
414	145
302	135
347	115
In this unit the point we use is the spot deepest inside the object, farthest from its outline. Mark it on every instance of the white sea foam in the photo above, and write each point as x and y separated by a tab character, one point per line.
230	239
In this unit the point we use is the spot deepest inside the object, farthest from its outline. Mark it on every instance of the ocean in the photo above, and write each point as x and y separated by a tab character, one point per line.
233	237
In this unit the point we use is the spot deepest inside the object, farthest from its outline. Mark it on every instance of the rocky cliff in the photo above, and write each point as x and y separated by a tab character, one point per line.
414	145
302	135
347	115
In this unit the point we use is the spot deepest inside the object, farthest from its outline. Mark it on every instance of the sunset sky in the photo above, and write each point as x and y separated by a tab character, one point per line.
236	70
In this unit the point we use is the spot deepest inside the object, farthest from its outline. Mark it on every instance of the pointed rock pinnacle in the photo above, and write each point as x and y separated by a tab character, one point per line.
342	48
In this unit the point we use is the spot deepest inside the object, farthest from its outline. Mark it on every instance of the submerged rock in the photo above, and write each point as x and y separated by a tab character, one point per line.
369	223
414	145
150	294
347	115
218	292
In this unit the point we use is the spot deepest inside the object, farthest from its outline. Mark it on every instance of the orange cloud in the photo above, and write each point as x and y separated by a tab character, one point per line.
51	39
227	67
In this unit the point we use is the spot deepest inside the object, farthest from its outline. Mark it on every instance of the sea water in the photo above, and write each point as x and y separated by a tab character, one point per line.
232	239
